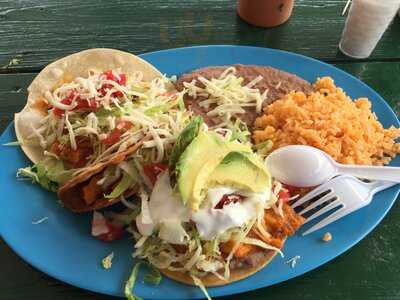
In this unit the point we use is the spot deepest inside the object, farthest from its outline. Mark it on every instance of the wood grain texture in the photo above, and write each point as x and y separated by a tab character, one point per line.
368	271
43	30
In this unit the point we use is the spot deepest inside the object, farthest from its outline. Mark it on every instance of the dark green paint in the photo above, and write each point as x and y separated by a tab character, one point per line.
42	30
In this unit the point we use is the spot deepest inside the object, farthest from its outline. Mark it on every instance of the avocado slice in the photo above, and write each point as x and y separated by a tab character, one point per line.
187	135
198	161
242	170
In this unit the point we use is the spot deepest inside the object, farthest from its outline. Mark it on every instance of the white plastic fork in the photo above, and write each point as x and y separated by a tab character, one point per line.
344	191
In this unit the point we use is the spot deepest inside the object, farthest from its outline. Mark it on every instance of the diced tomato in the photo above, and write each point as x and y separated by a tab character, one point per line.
153	170
227	199
115	232
115	135
292	189
67	101
90	104
284	195
120	79
124	125
104	230
87	104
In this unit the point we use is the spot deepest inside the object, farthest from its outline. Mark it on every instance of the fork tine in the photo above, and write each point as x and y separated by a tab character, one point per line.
320	201
308	197
332	218
323	210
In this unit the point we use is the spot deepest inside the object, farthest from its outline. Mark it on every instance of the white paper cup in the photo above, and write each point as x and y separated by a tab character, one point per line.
366	22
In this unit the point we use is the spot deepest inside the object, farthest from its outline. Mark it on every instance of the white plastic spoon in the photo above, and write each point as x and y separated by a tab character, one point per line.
306	166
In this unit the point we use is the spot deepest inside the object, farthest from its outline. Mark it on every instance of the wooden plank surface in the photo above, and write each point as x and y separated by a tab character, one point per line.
42	30
368	271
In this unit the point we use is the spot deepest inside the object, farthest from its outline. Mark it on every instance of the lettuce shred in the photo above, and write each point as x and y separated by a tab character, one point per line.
121	187
200	284
38	174
153	276
49	173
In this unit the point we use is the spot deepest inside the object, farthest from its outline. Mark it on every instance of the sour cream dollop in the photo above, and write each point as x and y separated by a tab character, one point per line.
168	212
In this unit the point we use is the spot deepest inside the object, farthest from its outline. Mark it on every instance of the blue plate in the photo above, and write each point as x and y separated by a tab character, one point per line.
63	248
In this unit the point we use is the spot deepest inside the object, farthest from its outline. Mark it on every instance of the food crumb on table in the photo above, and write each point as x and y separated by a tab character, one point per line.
327	237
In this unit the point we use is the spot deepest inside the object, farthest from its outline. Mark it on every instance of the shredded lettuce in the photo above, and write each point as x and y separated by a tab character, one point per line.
103	113
126	182
181	104
145	210
37	174
161	108
125	219
153	276
261	244
240	131
264	147
130	168
200	284
131	282
172	232
48	173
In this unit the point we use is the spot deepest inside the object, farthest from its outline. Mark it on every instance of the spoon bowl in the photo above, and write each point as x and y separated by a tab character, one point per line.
306	166
301	166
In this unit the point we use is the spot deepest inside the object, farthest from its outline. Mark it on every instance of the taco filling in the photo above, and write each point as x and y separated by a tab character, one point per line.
220	221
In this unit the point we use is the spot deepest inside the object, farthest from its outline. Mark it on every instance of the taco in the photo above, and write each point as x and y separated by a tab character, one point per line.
62	71
88	108
220	220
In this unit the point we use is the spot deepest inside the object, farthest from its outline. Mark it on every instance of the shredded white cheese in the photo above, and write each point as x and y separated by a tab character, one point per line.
40	221
70	132
150	108
227	95
293	261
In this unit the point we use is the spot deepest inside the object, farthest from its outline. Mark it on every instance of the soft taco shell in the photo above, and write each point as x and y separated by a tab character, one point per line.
72	66
235	274
70	192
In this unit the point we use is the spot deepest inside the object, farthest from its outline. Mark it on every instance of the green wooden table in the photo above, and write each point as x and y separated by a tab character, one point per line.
36	32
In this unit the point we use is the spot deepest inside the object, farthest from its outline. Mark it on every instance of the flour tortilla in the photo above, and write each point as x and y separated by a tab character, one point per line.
74	65
235	274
